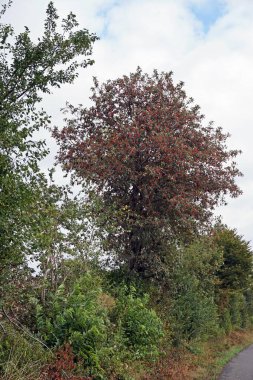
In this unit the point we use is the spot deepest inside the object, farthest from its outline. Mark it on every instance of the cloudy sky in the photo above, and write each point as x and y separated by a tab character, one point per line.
208	44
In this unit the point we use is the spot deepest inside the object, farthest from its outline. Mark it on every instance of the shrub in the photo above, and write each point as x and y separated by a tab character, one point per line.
62	367
77	317
140	326
225	321
192	281
239	310
236	271
193	313
235	309
103	331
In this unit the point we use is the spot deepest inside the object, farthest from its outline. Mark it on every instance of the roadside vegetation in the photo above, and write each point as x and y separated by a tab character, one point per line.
132	278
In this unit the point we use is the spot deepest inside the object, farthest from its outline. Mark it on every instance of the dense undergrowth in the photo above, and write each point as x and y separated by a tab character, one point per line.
105	324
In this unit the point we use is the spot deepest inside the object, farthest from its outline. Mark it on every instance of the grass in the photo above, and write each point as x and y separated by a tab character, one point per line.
219	353
20	357
227	356
201	361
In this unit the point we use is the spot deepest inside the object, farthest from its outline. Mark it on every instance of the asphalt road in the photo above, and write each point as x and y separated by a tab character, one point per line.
240	367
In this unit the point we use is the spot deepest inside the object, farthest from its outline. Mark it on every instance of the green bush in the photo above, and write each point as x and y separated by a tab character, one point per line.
236	306
104	331
140	326
76	316
225	321
249	300
192	281
193	313
239	310
235	272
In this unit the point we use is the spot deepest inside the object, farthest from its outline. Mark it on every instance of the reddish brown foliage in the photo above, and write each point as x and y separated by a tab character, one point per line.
63	366
178	365
146	149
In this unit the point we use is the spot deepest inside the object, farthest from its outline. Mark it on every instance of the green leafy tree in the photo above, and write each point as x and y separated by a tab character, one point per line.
236	271
58	231
27	71
104	331
234	293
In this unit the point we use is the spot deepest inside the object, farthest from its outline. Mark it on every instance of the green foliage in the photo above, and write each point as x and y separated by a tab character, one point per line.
20	358
76	317
193	312
234	294
249	300
103	331
58	232
226	322
237	312
142	329
236	306
137	203
27	70
236	271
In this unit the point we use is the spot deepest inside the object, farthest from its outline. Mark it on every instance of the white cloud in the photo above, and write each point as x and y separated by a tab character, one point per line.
165	34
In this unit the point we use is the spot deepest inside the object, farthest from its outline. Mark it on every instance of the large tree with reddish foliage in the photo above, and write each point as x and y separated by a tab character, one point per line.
145	149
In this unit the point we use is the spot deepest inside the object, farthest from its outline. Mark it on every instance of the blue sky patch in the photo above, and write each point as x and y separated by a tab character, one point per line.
103	12
209	12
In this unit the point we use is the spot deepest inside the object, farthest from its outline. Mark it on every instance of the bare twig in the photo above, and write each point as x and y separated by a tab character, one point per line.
4	331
